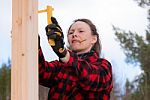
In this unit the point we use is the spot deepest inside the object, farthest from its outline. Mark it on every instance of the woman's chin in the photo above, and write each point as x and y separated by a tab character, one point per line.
75	49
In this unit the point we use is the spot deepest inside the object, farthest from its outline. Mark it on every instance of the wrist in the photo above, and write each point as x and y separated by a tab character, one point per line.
66	58
61	52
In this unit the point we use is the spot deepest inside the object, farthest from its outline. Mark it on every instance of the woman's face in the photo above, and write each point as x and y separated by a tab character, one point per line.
80	37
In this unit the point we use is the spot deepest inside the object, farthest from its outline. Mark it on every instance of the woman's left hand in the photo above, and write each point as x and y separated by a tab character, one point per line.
54	34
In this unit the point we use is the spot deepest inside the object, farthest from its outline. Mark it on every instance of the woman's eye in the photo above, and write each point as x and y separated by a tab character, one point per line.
81	31
70	33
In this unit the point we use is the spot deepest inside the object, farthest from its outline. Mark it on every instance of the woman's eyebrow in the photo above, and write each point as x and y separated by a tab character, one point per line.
77	29
71	30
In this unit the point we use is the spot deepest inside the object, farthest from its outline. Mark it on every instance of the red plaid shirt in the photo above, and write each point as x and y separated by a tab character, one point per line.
83	77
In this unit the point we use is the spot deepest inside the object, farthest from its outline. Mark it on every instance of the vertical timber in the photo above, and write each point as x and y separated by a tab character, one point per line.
24	70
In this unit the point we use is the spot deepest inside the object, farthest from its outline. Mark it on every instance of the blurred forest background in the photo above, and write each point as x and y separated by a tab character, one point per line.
137	51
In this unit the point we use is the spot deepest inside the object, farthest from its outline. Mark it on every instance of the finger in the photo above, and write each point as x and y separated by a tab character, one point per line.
58	32
54	21
49	27
53	27
52	36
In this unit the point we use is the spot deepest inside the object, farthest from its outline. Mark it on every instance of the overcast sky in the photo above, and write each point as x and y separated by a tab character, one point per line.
104	13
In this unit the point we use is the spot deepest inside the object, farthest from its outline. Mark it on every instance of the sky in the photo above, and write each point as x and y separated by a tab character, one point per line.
125	14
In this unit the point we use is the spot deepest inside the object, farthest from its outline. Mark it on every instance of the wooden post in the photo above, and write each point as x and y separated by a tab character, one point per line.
24	70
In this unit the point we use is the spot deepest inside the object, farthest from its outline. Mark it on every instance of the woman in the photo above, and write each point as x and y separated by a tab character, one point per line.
79	74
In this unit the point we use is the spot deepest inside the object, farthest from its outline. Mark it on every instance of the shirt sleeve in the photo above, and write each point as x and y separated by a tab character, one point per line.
47	70
93	76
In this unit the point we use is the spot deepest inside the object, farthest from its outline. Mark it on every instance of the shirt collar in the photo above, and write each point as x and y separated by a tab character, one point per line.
87	54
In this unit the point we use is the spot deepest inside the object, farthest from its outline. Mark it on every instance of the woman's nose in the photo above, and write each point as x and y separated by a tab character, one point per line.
74	35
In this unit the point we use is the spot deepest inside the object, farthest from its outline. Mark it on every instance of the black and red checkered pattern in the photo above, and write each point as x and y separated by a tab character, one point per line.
83	77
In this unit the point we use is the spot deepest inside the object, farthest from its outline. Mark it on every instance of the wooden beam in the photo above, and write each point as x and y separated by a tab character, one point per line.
24	70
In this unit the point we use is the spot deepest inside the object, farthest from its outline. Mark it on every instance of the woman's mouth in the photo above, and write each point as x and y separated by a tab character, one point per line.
75	41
